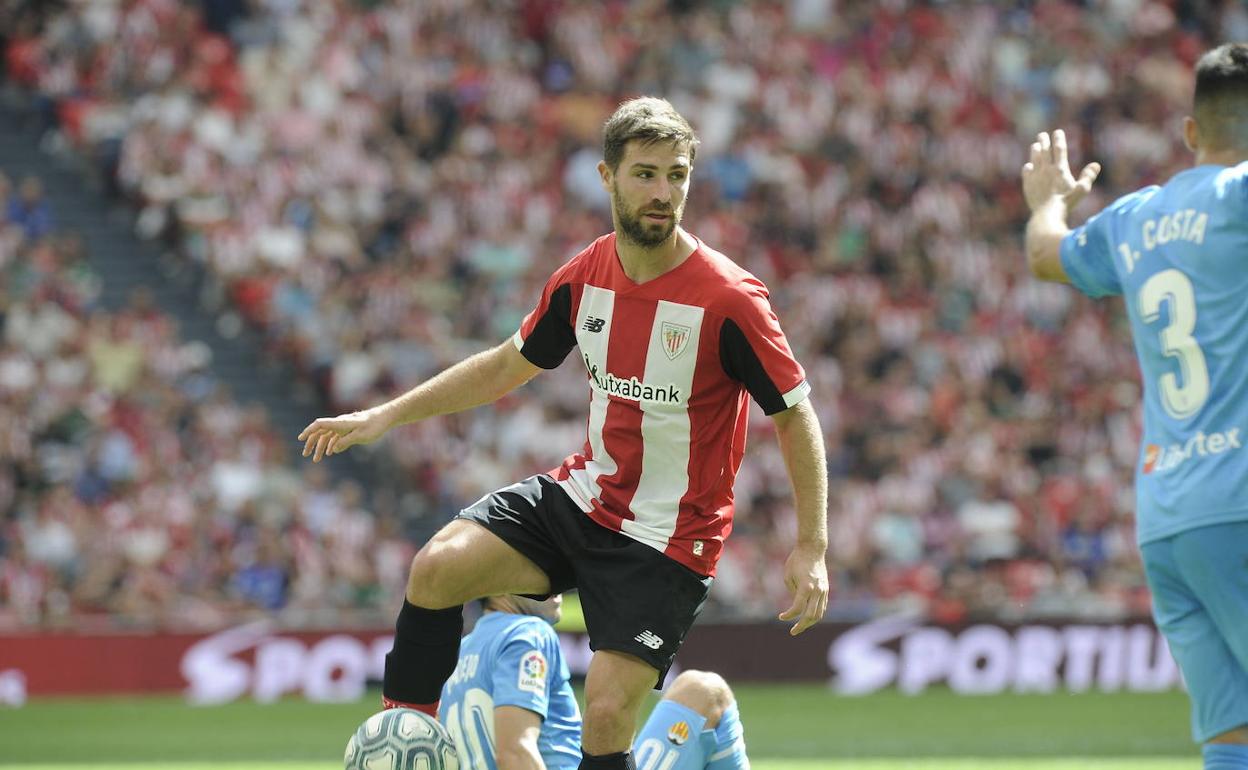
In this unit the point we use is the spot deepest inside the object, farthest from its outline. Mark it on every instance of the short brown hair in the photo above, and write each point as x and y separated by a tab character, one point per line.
647	119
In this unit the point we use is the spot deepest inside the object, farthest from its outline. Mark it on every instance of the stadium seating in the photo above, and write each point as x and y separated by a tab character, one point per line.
382	196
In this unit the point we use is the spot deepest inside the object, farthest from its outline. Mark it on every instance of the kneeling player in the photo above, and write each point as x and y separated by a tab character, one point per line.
695	726
510	704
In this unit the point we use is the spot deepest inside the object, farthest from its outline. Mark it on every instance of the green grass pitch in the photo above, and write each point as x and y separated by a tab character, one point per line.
787	728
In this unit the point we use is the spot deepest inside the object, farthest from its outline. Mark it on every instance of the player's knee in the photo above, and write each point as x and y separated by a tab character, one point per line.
703	691
610	712
428	582
1237	736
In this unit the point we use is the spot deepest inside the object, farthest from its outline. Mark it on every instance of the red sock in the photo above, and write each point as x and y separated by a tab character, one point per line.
428	708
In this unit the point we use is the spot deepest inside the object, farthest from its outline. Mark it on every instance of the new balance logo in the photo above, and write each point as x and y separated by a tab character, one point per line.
650	639
594	324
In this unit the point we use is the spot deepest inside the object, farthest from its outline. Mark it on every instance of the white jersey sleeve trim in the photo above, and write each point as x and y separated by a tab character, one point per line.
797	395
518	341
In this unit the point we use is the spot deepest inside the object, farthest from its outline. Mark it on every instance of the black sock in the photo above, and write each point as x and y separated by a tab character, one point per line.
621	761
426	648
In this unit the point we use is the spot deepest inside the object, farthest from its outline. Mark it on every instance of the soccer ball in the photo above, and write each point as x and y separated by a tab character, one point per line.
401	739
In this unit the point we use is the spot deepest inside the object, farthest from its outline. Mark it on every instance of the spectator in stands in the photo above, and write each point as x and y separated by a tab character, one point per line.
29	211
340	172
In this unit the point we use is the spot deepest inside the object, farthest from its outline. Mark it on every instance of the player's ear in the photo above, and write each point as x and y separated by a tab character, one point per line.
1191	133
604	171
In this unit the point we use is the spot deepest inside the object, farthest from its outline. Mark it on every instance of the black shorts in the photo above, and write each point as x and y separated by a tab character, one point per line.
636	600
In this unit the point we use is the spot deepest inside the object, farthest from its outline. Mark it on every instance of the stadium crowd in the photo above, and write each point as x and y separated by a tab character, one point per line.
135	491
384	186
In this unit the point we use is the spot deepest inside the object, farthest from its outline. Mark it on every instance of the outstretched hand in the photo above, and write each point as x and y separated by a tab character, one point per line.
1047	175
806	576
331	435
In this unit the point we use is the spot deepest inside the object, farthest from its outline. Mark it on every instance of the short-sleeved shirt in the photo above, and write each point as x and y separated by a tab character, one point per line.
511	660
670	365
1179	256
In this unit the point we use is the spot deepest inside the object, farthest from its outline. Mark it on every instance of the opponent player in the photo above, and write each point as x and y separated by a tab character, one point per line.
673	336
1179	256
509	703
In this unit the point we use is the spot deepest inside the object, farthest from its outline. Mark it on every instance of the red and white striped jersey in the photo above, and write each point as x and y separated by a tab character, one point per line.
670	362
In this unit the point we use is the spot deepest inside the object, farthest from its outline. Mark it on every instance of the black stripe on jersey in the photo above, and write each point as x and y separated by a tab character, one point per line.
741	364
552	337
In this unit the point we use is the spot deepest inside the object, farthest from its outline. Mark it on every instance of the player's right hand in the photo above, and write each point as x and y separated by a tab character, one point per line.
1047	174
330	435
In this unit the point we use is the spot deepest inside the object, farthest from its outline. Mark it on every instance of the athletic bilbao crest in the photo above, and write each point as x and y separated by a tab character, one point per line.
675	338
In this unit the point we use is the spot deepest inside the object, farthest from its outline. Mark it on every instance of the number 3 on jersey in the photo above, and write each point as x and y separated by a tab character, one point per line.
1173	287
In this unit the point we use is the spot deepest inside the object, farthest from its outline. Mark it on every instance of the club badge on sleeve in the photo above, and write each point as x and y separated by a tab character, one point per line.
678	733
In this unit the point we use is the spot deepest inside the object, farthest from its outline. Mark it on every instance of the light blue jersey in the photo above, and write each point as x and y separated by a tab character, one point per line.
1179	256
511	660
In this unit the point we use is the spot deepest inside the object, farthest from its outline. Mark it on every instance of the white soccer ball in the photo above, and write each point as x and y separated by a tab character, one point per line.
401	739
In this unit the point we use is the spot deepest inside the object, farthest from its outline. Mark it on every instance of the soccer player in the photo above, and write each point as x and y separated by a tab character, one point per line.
674	337
1179	256
509	704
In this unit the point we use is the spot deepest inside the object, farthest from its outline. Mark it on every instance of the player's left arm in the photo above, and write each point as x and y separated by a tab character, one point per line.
520	683
806	570
1052	192
755	352
516	731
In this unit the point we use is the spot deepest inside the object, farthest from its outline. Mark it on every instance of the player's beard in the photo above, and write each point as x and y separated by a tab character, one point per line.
635	228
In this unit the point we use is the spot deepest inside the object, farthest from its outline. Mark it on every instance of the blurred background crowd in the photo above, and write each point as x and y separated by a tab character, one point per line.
382	187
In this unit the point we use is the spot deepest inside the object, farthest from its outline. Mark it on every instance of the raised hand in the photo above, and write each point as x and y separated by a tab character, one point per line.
330	435
1047	175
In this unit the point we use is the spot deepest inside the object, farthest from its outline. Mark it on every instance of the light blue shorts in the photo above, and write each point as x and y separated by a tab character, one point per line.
1199	581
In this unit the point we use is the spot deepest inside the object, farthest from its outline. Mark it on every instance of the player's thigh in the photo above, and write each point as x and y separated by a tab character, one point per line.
466	561
1214	562
506	542
1216	681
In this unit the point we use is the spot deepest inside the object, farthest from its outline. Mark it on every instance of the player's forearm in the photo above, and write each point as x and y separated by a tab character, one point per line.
480	379
1043	241
801	443
522	756
516	734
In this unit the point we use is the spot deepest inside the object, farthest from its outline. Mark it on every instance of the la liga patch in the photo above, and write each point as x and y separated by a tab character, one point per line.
533	670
